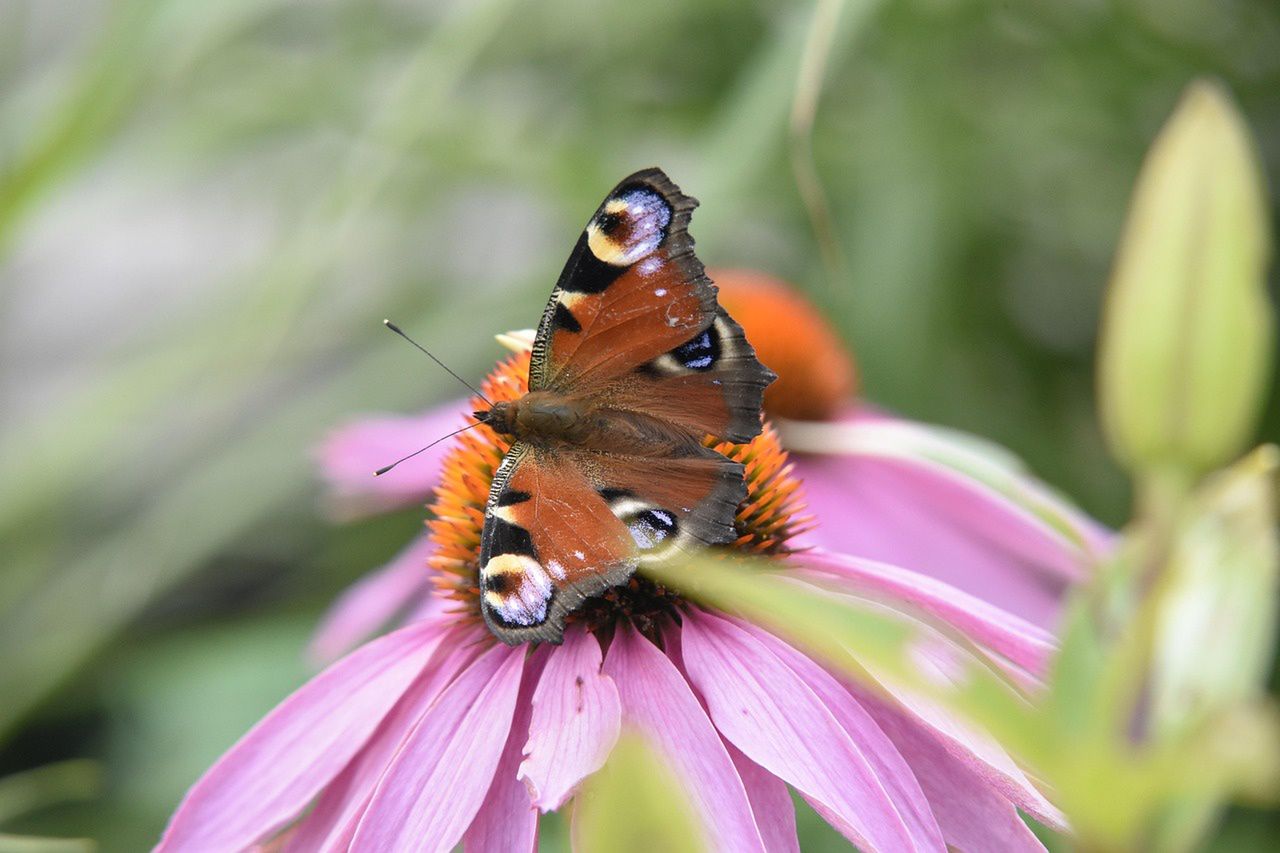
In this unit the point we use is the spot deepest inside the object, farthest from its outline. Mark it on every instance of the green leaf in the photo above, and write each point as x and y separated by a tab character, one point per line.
65	781
35	844
52	784
1187	332
635	804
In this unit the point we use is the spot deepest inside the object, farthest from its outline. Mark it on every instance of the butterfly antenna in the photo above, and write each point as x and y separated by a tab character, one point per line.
393	327
385	468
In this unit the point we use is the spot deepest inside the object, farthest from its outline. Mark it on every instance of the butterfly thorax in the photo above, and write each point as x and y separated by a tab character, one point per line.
550	420
540	417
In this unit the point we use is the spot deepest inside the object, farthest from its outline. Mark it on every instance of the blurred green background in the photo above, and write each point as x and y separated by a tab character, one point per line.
206	209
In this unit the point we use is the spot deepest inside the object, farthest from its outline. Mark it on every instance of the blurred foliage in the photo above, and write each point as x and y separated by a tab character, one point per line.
206	209
616	809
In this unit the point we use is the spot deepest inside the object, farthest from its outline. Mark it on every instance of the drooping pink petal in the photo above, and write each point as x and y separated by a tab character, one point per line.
770	802
657	702
982	754
769	712
847	707
863	507
350	454
331	824
438	779
275	770
1021	642
910	511
371	602
576	719
507	821
1054	534
974	817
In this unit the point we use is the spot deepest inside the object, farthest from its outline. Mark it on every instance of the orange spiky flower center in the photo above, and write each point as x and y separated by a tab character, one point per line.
769	517
817	375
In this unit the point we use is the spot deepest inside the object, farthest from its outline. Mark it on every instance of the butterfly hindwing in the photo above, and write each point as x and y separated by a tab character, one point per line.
562	527
714	379
549	541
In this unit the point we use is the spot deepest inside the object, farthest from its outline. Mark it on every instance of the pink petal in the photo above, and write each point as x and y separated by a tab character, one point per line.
914	512
1062	546
576	719
331	824
657	701
275	770
973	816
769	712
770	802
874	509
371	602
441	775
350	454
507	821
1018	640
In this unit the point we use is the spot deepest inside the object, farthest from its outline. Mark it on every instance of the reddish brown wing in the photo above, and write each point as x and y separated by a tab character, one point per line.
633	323
561	527
550	541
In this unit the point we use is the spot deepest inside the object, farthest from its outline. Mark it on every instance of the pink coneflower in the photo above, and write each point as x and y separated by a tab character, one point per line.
435	734
947	504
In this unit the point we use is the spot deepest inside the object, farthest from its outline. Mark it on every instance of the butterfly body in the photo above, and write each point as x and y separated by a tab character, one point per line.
549	421
634	364
540	417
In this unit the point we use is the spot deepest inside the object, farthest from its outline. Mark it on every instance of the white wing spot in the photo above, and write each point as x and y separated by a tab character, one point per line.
527	603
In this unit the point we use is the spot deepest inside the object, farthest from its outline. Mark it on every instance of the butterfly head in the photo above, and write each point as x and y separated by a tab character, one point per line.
500	417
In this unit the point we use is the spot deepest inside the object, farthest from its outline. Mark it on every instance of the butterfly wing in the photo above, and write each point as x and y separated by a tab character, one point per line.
549	542
561	527
632	333
633	321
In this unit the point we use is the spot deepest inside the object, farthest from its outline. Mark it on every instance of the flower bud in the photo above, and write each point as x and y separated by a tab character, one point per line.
1216	625
1187	331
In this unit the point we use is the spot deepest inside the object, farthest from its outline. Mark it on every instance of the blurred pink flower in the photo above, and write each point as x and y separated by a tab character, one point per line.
351	453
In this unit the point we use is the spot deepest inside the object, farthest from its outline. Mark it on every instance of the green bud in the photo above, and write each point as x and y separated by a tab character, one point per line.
1187	331
1215	626
1216	622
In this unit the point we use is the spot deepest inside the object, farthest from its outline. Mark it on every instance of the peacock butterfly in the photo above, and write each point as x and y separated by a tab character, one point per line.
634	363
